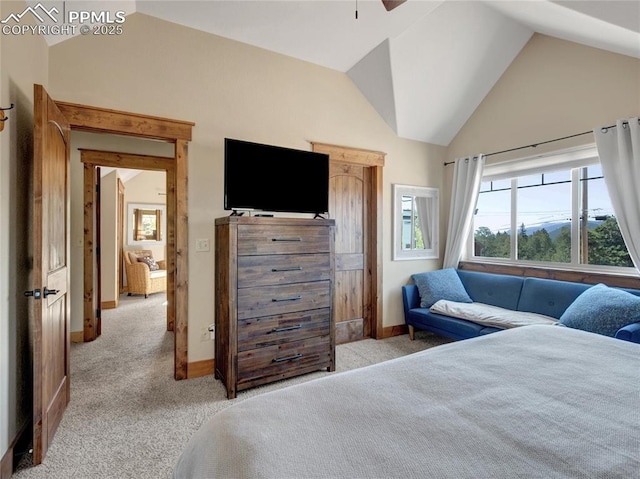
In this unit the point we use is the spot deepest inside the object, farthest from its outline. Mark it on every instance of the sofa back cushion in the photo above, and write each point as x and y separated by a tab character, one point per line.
548	296
494	289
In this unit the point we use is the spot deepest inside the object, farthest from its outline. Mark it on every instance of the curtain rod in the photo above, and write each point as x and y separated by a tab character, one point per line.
533	145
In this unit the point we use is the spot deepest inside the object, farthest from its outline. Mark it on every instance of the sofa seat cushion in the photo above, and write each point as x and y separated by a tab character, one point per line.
440	284
603	310
422	318
489	315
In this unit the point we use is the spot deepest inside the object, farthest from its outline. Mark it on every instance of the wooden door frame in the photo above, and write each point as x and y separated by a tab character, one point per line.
106	121
92	160
373	161
120	239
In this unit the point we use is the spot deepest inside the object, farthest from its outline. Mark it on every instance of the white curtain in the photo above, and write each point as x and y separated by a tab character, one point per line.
423	207
619	151
467	175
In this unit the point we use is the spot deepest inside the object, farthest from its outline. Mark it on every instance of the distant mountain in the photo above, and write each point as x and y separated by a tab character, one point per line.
555	228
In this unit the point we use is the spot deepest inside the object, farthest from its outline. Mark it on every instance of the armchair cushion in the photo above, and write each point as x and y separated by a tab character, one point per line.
149	261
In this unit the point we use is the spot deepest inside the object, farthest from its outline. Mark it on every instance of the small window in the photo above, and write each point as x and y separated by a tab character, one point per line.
146	223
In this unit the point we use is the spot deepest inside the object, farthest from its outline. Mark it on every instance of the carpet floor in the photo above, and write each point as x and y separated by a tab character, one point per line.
128	417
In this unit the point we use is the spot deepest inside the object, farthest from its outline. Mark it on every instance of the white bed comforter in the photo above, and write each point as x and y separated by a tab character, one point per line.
530	402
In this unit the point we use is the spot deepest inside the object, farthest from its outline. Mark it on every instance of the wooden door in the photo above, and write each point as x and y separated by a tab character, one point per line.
50	301
355	203
347	203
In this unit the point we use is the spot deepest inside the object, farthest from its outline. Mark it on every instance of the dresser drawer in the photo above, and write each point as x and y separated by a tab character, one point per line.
281	269
287	359
281	299
281	239
272	330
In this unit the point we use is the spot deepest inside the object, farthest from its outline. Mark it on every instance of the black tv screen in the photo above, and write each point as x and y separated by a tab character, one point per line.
273	178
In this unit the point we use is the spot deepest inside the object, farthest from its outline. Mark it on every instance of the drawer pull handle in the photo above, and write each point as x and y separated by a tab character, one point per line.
290	328
293	298
288	358
279	270
286	239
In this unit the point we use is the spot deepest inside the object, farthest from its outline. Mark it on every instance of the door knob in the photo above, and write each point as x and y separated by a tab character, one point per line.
47	292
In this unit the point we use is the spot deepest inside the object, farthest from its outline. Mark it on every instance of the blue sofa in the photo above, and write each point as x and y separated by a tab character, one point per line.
536	295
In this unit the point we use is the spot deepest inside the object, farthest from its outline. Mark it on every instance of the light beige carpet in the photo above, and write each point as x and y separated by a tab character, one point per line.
128	417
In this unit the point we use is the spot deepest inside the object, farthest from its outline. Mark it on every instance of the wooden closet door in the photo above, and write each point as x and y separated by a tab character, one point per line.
347	202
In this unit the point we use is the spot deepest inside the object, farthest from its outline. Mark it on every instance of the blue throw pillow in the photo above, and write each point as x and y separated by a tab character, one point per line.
602	310
440	284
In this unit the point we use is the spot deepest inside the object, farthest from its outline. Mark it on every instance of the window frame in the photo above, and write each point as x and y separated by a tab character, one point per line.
572	159
161	213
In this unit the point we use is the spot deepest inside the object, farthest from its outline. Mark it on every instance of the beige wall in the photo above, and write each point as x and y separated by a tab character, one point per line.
231	89
554	88
23	62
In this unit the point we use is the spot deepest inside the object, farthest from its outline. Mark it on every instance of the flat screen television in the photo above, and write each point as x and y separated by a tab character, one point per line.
273	178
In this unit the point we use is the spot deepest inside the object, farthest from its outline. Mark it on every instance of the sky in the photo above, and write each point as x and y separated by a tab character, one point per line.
538	205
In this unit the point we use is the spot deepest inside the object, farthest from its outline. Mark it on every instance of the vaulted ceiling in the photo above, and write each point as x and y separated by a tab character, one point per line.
426	65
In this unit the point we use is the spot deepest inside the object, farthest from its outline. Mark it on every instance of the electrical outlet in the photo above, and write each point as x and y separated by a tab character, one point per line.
202	244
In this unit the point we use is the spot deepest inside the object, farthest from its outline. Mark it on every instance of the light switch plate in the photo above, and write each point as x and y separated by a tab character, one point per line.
202	244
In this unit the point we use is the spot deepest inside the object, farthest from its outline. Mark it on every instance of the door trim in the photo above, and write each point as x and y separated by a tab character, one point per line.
103	120
120	239
373	161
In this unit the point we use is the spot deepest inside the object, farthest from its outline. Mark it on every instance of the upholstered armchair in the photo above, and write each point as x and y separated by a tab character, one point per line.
144	274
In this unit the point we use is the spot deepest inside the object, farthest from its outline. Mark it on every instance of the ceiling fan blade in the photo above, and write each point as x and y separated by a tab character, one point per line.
391	4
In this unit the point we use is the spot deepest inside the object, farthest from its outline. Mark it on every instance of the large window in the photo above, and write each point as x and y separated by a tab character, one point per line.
554	210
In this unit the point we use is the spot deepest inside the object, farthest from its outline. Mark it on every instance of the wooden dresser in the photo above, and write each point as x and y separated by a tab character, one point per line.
273	299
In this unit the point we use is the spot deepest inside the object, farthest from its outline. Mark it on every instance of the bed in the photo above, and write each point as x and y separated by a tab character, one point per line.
530	402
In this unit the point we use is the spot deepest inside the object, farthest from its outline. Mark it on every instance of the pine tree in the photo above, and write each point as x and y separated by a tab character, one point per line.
606	246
